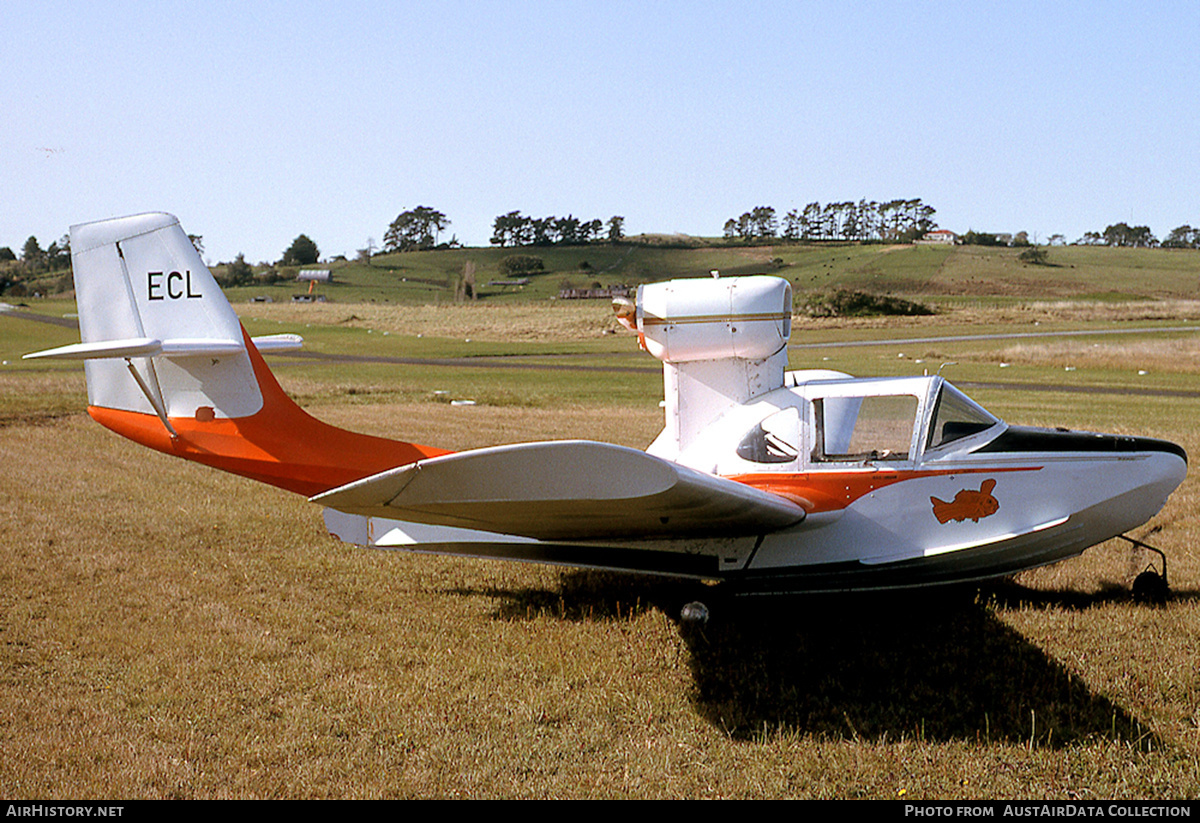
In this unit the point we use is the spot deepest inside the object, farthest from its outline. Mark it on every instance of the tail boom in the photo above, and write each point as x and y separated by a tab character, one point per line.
281	444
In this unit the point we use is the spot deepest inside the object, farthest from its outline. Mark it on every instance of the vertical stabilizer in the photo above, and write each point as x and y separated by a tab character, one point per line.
140	278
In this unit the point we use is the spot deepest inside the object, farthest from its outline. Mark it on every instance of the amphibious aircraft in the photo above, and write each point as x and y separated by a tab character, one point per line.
767	479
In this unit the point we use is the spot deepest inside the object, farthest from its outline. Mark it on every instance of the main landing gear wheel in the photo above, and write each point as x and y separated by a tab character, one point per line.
1150	586
694	614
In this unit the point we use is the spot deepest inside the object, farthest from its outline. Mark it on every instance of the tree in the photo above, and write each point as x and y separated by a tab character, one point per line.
198	243
55	257
810	222
302	252
567	229
791	225
415	229
6	254
542	231
32	254
895	220
763	221
616	228
589	230
850	220
512	229
239	272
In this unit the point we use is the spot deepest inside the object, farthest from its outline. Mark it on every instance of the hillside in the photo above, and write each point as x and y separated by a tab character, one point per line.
938	273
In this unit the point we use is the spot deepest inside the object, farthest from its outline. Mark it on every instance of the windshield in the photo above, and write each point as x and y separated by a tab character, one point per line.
956	416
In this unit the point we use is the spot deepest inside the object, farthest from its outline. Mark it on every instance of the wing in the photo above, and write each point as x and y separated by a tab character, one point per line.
565	490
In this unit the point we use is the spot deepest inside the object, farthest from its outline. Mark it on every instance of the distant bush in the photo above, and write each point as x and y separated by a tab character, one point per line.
237	273
848	303
1034	256
268	275
516	264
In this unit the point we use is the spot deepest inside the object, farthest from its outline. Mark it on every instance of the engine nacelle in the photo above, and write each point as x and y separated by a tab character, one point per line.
722	342
682	321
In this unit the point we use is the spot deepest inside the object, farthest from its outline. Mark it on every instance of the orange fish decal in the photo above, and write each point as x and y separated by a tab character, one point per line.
967	504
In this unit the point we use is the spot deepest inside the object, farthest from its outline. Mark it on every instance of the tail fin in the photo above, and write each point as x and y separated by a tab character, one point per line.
169	365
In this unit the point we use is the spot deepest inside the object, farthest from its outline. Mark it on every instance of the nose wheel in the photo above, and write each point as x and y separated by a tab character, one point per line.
1150	586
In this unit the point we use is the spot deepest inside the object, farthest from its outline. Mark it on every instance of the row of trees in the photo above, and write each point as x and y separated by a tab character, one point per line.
516	229
1018	240
892	221
1122	234
36	260
421	228
1183	237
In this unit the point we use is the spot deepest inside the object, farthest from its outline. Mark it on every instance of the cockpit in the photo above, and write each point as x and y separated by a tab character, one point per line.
887	422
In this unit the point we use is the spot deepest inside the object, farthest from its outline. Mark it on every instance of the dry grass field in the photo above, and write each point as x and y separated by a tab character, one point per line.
168	631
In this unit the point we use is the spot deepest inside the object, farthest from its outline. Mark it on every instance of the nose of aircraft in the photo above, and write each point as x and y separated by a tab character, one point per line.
1028	439
1140	487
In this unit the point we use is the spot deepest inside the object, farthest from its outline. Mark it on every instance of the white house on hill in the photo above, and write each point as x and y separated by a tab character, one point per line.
943	236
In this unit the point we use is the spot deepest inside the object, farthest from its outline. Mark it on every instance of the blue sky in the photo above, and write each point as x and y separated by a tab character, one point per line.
256	121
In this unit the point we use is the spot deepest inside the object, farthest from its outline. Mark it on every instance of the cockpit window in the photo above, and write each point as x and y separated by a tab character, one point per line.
956	416
774	440
877	427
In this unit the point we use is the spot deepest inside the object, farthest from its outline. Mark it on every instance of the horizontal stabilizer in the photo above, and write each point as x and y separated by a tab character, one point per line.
563	490
150	347
141	347
278	342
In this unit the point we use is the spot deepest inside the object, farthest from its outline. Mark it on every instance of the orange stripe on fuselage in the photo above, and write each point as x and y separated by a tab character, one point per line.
281	444
835	489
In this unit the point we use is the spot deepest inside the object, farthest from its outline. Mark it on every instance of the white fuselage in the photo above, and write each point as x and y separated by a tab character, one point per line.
905	482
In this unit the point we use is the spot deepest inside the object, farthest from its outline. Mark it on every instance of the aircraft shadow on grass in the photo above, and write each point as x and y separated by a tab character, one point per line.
938	667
